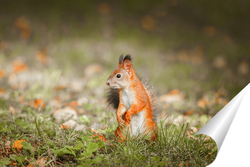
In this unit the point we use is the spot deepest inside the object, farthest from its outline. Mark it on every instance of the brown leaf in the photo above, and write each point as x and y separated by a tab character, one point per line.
163	114
188	113
3	45
148	23
60	87
12	109
42	57
219	62
21	99
243	68
104	8
173	96
210	31
93	69
24	26
174	2
203	102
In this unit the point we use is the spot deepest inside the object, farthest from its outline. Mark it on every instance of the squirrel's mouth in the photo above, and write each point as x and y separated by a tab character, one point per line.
114	86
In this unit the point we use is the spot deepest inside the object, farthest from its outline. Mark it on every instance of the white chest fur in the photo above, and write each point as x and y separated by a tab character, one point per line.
137	120
127	98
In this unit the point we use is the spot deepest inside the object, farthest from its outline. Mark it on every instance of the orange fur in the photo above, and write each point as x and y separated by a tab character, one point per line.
134	103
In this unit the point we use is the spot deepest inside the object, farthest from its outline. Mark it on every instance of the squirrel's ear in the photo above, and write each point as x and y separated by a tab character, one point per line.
127	64
120	61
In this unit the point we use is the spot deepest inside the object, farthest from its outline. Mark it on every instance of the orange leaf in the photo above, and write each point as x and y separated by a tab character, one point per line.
3	45
42	58
12	109
181	164
104	8
2	73
37	103
19	67
188	113
210	31
174	92
148	23
21	99
65	127
2	90
17	145
24	26
59	87
203	102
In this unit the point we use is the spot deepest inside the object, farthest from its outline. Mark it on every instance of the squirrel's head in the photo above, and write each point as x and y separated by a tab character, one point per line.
120	78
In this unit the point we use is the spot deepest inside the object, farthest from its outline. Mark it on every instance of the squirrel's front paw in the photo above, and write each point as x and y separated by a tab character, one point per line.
128	117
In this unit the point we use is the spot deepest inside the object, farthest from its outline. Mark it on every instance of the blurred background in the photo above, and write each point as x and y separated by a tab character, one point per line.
195	53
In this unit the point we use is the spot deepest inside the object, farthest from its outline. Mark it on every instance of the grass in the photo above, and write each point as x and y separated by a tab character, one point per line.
44	140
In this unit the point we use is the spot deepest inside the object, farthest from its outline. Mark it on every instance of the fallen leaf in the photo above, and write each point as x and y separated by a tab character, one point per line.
42	57
92	69
24	26
228	40
3	45
37	103
19	67
203	102
181	165
13	110
173	96
104	8
188	113
2	73
243	68
148	23
163	115
17	145
174	2
2	91
219	62
60	87
21	99
210	31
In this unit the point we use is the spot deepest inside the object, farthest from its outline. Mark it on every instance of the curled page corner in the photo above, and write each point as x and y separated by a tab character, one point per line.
230	128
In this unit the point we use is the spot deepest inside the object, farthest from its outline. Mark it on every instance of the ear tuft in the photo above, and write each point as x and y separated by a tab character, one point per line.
120	61
127	57
127	64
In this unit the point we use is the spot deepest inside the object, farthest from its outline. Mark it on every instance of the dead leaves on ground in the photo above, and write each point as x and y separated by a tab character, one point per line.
24	27
173	96
19	66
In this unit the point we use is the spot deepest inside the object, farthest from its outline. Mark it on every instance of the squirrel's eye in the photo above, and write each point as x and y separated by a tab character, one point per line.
118	75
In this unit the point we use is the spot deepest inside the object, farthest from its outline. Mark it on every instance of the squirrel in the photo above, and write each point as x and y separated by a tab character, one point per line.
135	101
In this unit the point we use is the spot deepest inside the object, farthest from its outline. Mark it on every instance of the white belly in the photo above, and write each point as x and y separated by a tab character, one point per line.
137	123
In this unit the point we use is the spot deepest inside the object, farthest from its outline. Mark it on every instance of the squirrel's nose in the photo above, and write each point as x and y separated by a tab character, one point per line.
107	82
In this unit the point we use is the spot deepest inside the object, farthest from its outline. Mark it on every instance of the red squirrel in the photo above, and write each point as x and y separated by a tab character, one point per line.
134	100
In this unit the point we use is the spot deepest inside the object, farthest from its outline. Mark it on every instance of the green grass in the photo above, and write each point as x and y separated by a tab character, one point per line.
75	148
